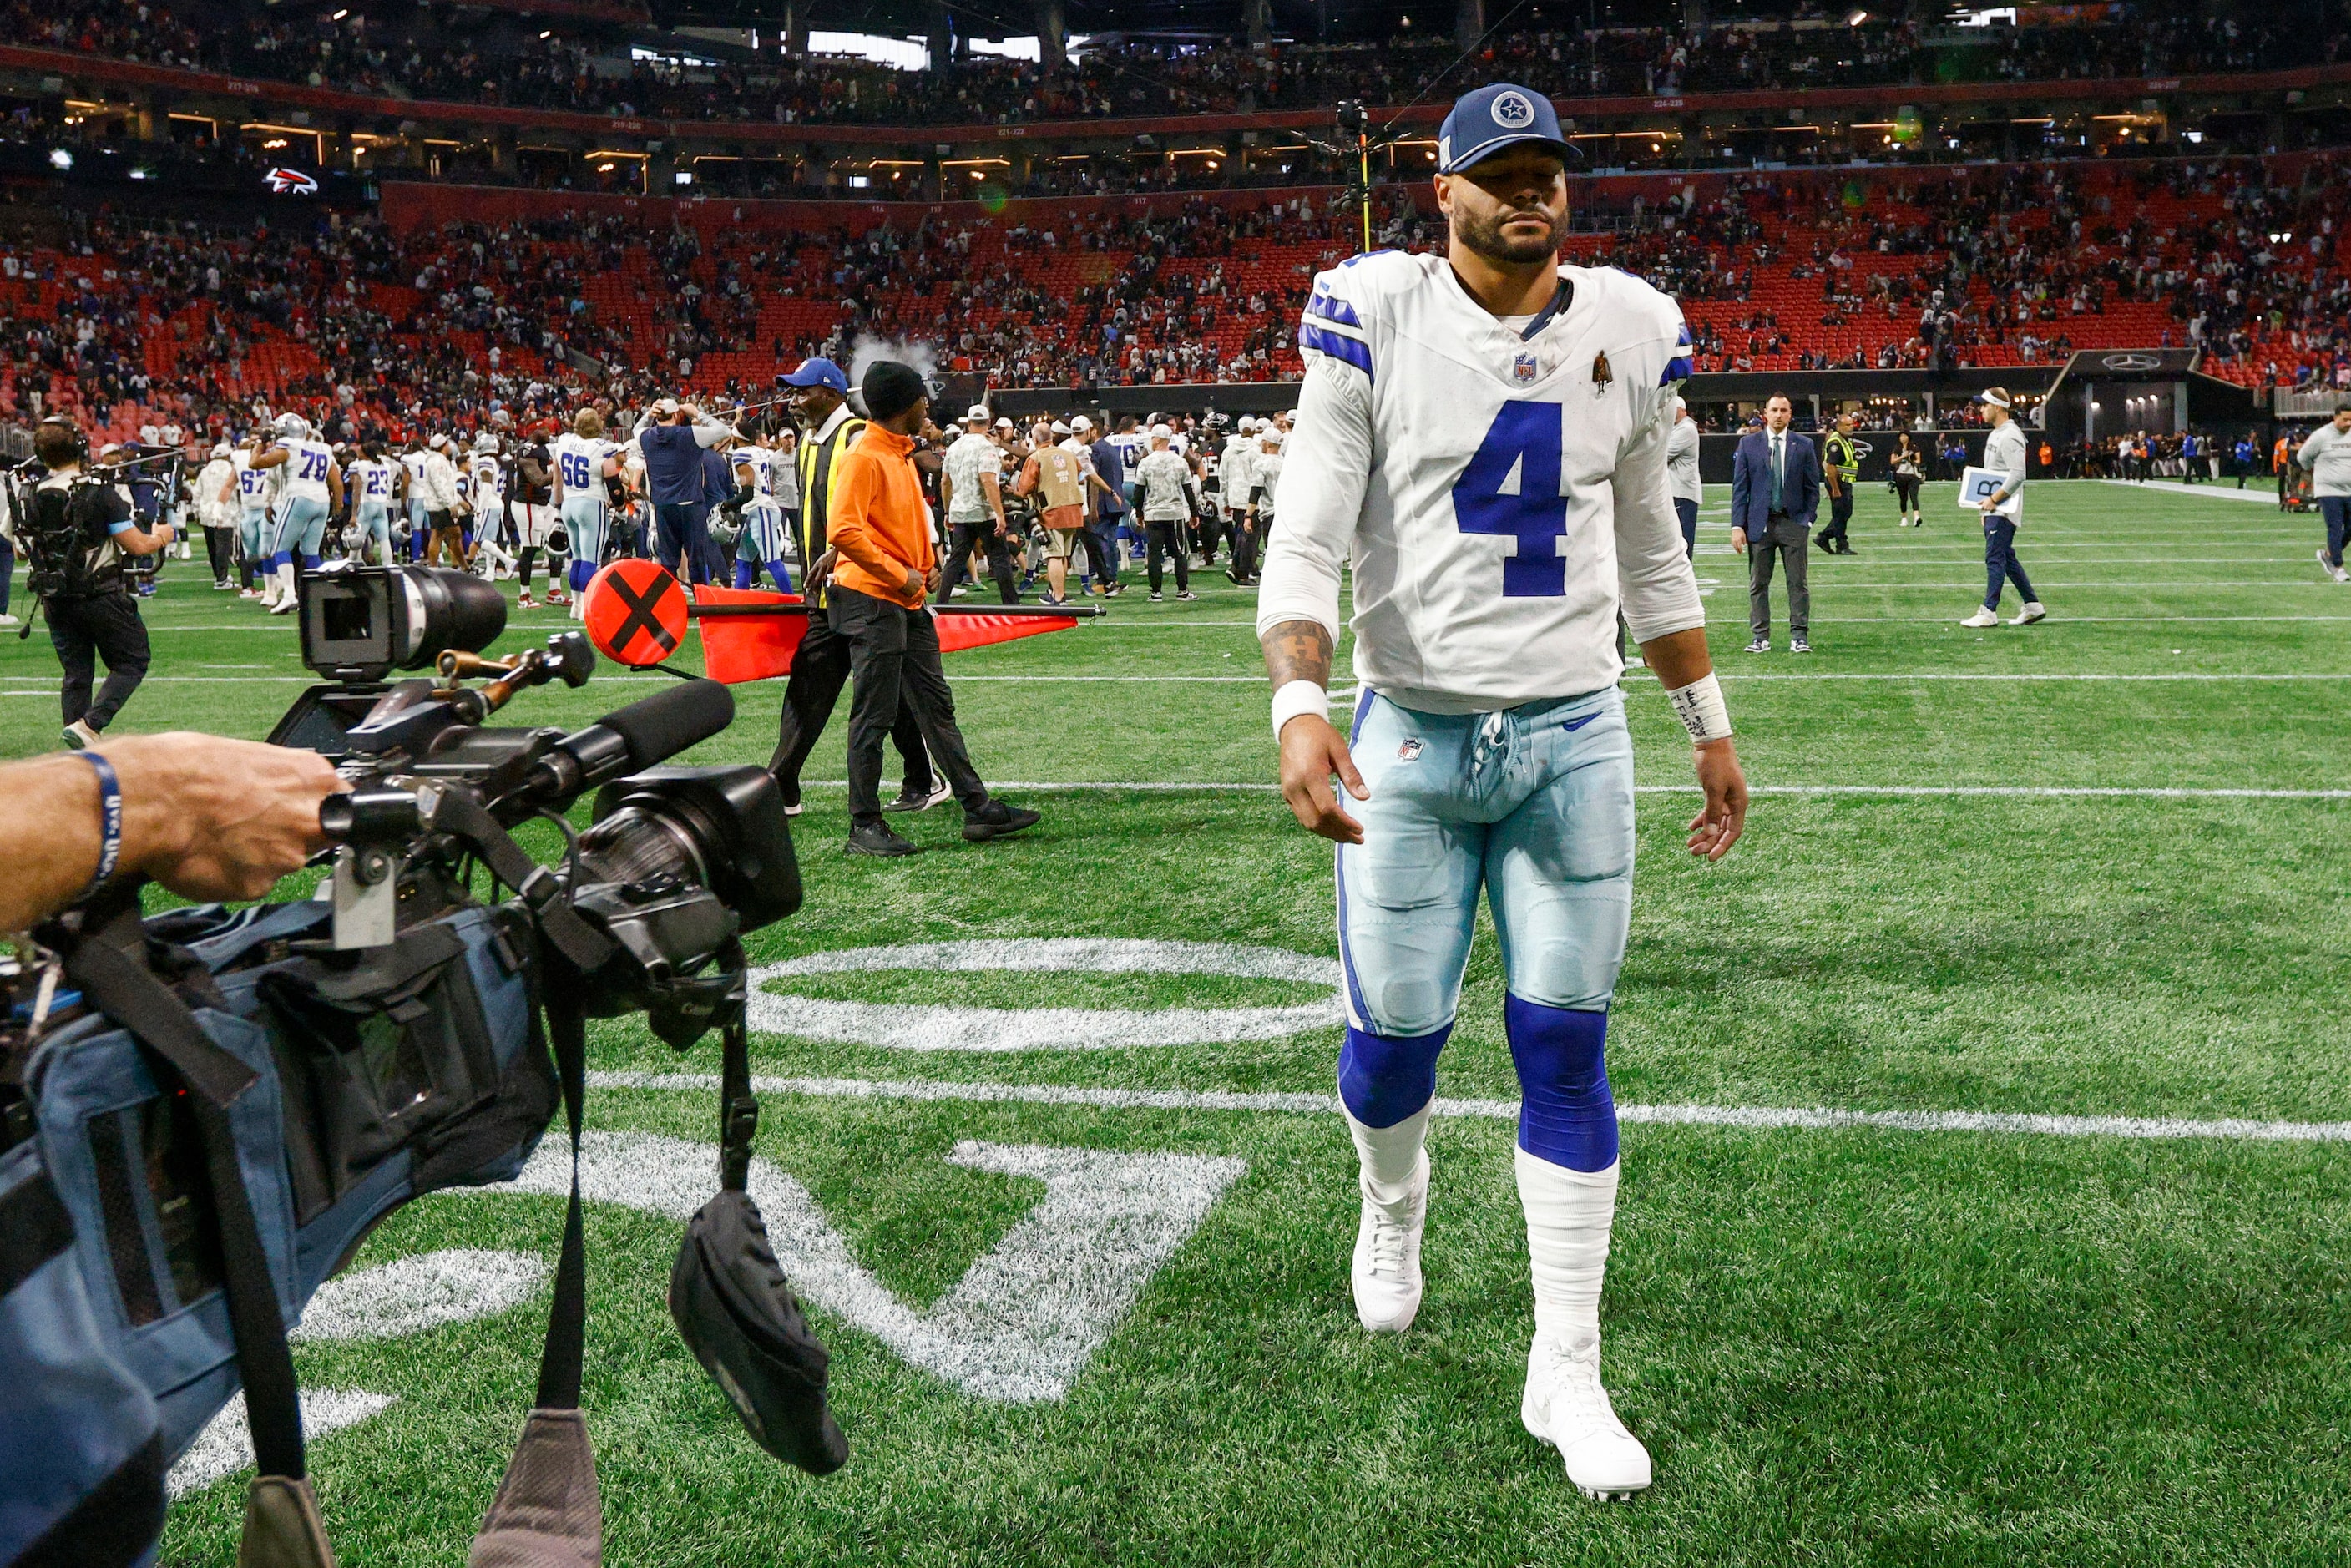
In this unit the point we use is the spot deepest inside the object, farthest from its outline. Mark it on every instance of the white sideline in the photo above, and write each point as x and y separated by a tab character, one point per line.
2173	487
1167	787
1759	1117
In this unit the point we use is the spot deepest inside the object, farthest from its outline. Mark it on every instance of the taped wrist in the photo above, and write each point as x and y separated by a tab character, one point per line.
1700	708
1297	697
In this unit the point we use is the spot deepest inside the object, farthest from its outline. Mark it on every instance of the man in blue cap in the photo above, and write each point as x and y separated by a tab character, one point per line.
1482	434
820	665
672	438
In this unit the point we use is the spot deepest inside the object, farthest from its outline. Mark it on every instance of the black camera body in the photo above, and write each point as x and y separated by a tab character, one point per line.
676	864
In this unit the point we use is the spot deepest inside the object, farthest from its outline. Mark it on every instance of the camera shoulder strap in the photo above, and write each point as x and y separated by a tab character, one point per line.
281	1507
738	1108
548	1512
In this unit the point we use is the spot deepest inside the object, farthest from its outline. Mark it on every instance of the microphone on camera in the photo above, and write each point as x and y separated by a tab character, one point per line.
640	735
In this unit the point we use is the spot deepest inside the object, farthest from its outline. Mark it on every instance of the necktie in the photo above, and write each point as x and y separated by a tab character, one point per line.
1777	466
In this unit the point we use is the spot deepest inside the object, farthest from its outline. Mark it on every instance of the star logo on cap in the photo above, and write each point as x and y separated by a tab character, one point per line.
1512	112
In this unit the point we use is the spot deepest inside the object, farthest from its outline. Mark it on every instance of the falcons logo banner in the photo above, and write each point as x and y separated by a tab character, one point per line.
291	182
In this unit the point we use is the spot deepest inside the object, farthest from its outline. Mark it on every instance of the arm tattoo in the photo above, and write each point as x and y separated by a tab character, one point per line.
1298	651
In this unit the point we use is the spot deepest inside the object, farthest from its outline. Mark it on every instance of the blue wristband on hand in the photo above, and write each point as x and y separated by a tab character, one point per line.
110	818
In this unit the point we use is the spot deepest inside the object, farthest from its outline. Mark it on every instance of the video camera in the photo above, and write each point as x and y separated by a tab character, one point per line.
301	1069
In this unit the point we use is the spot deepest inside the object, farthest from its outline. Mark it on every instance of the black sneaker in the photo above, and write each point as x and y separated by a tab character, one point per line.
996	820
912	799
877	839
1187	596
1154	598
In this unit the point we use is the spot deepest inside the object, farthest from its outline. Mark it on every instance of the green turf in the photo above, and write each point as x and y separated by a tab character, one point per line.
1843	1347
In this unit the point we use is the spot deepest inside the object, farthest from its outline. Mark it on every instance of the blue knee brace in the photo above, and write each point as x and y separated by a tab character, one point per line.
1383	1079
1566	1114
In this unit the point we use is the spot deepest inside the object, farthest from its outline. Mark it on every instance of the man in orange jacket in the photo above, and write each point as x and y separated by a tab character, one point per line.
885	567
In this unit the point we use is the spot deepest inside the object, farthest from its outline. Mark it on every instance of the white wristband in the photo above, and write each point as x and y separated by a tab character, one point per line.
1296	698
1699	707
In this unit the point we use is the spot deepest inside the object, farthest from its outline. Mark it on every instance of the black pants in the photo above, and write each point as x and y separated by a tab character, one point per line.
1165	539
1840	514
1208	528
819	669
106	625
981	536
1101	551
894	659
219	547
1245	543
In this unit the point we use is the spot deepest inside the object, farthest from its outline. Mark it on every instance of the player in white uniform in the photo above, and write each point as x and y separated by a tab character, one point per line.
305	495
492	559
374	478
762	544
583	461
248	491
1482	435
412	462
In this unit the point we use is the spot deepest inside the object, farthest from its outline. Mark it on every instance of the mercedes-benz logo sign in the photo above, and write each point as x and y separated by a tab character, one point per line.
2131	362
1513	110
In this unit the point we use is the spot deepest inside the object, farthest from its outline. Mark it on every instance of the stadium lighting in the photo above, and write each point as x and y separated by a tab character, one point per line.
340	14
60	159
549	34
1857	18
273	143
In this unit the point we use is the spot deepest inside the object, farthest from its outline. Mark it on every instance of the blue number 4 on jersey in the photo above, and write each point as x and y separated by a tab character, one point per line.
1511	486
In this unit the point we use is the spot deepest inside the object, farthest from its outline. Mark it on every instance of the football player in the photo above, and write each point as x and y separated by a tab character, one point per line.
762	542
584	461
248	487
530	503
1482	434
374	481
306	489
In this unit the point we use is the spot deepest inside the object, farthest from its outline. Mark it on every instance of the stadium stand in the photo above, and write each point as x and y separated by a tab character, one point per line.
382	321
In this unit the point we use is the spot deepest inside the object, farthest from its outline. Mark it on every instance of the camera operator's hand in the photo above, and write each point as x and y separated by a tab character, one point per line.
207	817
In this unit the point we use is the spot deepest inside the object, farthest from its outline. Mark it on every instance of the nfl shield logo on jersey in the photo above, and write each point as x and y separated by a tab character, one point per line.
1409	751
1525	369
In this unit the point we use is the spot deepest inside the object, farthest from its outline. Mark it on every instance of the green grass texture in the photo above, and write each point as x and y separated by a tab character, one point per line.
1844	1346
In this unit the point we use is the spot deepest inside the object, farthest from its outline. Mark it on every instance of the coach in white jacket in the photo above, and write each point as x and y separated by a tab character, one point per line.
2326	453
1681	473
2003	513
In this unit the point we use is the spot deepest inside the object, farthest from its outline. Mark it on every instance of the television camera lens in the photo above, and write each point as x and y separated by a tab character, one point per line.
447	609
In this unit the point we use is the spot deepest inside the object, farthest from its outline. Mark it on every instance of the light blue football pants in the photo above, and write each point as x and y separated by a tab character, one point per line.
583	524
374	518
301	527
1534	805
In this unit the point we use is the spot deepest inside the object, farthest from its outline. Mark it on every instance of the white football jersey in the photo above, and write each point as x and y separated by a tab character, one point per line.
375	477
414	462
1498	490
580	462
306	468
489	482
252	483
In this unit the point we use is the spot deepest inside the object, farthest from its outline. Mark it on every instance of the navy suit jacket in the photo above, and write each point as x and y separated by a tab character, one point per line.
1750	482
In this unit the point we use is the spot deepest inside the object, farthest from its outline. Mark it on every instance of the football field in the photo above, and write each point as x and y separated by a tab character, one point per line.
1987	1165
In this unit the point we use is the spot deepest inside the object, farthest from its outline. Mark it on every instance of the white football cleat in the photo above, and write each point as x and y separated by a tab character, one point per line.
1565	1405
2333	571
1981	617
1386	1272
2028	614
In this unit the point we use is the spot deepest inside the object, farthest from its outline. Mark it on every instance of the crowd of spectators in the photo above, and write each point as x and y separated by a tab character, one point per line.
345	318
500	57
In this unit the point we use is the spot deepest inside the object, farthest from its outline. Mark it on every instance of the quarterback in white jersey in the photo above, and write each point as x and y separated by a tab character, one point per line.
1482	435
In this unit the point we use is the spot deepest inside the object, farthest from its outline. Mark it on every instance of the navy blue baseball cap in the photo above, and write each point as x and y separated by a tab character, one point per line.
818	373
1503	115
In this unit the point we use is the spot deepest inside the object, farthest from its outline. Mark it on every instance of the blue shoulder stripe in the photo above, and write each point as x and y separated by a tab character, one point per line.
1353	351
1331	308
1682	339
1676	370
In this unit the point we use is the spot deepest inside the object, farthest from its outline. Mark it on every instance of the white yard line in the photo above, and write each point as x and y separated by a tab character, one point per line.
2173	487
1757	1117
2054	791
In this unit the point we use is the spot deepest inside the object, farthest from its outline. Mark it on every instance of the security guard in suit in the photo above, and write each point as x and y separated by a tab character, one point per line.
1840	466
821	665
